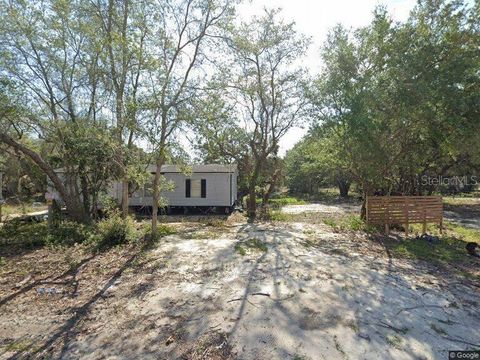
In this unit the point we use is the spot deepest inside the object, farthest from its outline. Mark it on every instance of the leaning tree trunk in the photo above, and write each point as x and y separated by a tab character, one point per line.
73	205
271	187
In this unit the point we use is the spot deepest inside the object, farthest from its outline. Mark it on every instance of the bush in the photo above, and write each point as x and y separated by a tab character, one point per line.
67	233
33	234
114	231
22	234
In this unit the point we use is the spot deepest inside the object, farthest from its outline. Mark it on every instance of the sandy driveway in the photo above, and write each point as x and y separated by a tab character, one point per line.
312	294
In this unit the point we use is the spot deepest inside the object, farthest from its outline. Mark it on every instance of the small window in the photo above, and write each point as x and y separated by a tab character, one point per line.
195	188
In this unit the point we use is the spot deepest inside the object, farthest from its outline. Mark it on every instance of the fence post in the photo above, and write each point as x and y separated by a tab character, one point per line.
387	217
424	220
366	207
405	210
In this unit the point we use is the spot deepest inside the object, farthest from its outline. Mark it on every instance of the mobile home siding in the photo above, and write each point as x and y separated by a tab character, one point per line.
218	187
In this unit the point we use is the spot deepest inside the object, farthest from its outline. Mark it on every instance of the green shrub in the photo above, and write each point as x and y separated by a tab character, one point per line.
32	234
23	234
66	233
113	231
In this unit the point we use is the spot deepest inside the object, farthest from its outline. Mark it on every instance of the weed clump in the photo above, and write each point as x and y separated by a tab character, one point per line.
253	244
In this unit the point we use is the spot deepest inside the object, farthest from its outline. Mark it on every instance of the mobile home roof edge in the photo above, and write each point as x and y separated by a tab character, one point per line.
203	168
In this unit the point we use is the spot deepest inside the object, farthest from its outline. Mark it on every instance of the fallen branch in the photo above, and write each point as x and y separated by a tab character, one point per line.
391	327
253	294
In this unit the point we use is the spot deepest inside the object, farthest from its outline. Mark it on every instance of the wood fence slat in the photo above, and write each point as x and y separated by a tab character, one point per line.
388	210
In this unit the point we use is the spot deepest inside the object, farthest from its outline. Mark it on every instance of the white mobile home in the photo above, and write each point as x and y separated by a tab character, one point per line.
207	187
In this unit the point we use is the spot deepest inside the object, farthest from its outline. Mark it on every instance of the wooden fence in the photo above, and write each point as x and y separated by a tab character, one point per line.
405	210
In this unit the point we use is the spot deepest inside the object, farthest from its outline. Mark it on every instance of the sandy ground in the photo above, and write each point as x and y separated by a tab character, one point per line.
339	209
312	294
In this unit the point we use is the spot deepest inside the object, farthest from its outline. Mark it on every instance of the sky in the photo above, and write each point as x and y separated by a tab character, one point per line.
314	18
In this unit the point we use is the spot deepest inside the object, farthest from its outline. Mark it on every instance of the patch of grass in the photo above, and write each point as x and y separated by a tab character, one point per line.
349	223
466	234
255	243
289	200
461	199
447	250
330	222
277	215
22	209
200	234
239	249
214	222
394	341
250	244
19	346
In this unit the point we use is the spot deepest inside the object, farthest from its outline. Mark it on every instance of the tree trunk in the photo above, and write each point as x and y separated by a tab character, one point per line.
85	194
252	198
366	192
156	193
343	187
271	187
125	199
74	206
252	202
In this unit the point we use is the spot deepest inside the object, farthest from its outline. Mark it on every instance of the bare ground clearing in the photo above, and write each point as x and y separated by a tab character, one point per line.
311	293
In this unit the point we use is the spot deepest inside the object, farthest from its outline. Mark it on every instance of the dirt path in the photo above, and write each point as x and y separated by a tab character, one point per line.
312	294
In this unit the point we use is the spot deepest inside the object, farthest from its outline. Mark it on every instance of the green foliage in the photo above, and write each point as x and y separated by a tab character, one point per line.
251	244
113	231
283	201
32	234
464	233
278	215
391	106
66	233
239	249
259	97
162	230
448	250
349	223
